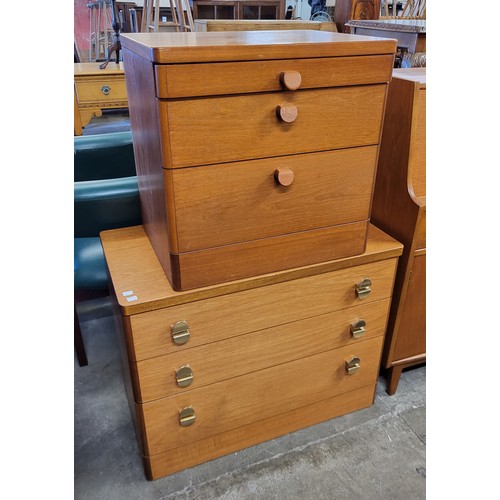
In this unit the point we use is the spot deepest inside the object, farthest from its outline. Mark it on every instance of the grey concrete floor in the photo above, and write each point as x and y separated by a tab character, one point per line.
372	454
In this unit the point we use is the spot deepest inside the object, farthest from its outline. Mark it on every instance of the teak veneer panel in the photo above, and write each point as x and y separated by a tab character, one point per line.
399	208
327	119
235	402
186	80
255	309
134	267
256	432
236	202
259	350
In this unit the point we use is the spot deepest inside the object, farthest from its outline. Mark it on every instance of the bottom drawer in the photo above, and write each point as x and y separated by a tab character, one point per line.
240	401
171	461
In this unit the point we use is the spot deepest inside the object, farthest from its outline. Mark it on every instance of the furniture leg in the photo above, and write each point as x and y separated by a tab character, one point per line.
393	375
79	345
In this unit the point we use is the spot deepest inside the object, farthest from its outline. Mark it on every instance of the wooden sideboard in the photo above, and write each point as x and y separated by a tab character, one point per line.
201	25
239	9
96	89
218	369
399	208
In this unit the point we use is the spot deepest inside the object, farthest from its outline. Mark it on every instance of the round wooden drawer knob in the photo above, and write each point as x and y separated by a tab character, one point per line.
291	80
284	176
287	113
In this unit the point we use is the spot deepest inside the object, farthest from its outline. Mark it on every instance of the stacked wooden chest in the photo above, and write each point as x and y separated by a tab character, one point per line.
255	297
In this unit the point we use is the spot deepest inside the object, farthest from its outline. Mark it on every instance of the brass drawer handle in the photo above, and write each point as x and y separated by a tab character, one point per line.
358	329
287	112
106	89
352	366
187	416
180	332
291	80
363	288
284	176
184	376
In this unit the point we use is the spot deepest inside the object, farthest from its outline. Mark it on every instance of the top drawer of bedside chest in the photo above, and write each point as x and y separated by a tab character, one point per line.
186	80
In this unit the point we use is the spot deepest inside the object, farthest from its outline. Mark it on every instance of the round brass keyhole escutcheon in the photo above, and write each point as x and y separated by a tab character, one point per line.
184	376
358	328
352	366
180	332
187	416
363	288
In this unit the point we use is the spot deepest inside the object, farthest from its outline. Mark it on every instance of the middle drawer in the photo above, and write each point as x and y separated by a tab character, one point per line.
200	131
236	202
204	365
151	333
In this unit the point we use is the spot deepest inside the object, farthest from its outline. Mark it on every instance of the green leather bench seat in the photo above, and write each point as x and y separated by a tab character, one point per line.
103	156
100	205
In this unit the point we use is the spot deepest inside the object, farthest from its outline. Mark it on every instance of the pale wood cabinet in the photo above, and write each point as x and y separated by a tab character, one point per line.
399	208
215	370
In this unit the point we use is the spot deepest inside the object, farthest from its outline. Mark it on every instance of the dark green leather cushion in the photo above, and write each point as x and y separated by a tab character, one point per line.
104	156
106	204
90	265
100	205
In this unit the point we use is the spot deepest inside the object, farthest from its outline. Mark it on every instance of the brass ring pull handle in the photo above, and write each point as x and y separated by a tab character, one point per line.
180	332
363	288
291	80
358	329
184	376
187	416
284	176
352	366
287	113
106	89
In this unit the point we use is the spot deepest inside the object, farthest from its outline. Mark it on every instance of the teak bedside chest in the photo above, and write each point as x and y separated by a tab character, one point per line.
255	151
214	370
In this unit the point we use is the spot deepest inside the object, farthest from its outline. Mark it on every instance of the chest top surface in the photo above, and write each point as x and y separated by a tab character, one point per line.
141	284
168	48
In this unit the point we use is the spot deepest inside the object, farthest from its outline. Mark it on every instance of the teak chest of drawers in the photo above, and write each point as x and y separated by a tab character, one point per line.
255	151
217	369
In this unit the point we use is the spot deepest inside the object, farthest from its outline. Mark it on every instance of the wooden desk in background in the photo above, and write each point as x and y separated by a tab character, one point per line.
97	89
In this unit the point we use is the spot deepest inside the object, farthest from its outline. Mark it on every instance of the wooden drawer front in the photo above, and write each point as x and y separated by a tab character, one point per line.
184	80
95	91
241	400
221	129
257	432
250	310
243	201
236	356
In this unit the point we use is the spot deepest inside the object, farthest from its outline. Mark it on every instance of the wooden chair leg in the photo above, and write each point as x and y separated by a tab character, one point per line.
79	346
393	375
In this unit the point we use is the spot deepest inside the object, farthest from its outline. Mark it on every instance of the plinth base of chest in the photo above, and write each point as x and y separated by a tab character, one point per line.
244	260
